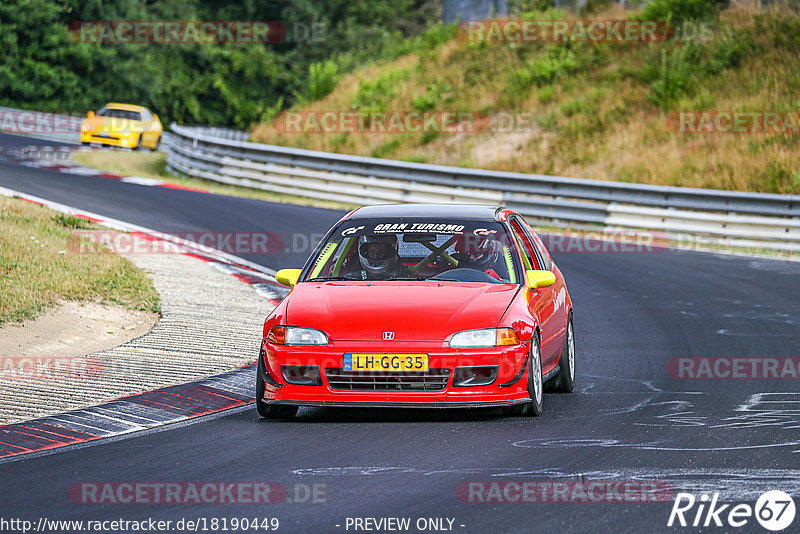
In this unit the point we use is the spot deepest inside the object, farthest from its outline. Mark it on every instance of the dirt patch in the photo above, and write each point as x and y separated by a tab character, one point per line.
75	329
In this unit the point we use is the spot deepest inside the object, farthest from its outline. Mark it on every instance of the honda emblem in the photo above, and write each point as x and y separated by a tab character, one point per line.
388	336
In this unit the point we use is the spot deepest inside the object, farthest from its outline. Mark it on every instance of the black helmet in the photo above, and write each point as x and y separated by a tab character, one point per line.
479	252
378	253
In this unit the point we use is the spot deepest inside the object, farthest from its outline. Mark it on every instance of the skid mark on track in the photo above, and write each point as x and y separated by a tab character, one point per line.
732	484
651	446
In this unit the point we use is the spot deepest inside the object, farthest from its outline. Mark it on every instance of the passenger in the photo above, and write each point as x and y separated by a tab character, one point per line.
478	252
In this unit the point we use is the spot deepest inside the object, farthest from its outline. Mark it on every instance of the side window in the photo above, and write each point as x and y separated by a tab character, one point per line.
534	245
146	115
543	253
527	258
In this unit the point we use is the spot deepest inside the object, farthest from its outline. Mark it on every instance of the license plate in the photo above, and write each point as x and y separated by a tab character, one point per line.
385	362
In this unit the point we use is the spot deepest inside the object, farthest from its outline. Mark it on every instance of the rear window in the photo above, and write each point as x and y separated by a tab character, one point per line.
416	249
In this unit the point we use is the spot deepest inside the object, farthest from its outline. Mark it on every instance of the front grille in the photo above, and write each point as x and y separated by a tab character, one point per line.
432	380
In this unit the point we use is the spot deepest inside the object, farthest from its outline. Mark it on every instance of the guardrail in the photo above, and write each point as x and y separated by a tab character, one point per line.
723	217
50	126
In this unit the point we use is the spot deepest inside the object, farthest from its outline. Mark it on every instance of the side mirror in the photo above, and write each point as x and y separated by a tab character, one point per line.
537	279
288	277
90	114
155	117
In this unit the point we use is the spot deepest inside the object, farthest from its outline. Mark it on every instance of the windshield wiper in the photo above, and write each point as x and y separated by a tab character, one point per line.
328	278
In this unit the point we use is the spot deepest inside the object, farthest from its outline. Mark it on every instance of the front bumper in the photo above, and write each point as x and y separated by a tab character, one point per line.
508	388
118	140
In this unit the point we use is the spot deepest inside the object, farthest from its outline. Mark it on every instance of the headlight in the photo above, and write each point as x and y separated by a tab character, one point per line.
126	131
86	127
486	337
294	335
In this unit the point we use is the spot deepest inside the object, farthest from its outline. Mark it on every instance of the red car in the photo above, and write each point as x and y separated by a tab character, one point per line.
420	306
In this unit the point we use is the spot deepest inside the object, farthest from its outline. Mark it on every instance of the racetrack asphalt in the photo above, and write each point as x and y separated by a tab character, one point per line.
627	420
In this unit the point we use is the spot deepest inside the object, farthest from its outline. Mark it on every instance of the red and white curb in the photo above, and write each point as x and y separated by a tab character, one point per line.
130	414
159	407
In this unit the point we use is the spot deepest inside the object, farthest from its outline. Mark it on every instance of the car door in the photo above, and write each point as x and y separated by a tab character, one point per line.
543	302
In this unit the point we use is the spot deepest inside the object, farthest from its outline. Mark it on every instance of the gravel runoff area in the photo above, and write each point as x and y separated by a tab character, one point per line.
210	322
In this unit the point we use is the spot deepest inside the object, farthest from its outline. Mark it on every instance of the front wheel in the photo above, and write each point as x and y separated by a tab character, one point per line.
270	411
535	386
564	381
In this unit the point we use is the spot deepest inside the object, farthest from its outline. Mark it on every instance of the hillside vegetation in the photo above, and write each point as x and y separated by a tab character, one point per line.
603	111
48	64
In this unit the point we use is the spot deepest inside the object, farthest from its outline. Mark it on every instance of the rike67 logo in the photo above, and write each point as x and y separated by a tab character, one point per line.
774	510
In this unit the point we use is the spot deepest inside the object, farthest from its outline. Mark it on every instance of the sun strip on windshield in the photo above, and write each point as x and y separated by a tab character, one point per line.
512	275
327	252
337	268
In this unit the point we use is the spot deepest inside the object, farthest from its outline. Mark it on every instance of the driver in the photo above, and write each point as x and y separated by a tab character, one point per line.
478	252
379	257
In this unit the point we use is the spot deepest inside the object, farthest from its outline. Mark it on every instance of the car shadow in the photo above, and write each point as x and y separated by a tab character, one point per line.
396	415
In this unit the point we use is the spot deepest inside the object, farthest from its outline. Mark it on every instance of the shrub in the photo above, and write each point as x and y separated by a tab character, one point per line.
376	94
322	79
677	11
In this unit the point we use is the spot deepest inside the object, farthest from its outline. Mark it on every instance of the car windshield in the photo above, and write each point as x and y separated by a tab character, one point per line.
416	249
119	114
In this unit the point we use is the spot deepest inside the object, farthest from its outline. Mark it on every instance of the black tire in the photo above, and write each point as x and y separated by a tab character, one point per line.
535	387
85	143
270	411
138	143
158	144
564	381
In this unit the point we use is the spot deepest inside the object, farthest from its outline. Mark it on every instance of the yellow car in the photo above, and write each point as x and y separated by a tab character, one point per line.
122	125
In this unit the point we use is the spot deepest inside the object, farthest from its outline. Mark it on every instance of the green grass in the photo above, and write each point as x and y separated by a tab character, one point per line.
37	267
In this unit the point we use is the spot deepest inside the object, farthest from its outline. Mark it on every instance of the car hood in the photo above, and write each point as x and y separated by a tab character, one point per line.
414	311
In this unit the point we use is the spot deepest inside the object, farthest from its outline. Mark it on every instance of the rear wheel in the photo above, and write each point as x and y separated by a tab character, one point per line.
269	411
157	145
564	381
535	386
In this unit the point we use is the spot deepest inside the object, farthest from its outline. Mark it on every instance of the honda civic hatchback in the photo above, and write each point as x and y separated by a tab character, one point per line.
420	306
